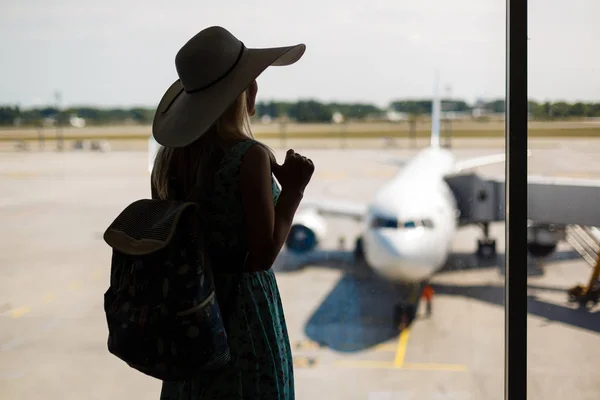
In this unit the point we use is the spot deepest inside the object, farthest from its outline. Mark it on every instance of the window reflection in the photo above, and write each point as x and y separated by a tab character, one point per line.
563	242
419	316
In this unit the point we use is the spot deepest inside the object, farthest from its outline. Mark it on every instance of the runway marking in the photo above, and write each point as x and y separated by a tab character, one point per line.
49	298
399	359
19	312
97	275
402	345
364	364
435	367
305	362
406	366
307	344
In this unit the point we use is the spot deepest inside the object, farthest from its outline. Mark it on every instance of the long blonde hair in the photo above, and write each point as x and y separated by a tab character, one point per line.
191	164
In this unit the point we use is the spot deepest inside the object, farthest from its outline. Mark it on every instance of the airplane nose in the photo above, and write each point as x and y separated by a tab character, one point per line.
411	270
402	256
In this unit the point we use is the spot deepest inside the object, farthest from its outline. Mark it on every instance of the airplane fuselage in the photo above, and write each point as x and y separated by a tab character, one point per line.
412	220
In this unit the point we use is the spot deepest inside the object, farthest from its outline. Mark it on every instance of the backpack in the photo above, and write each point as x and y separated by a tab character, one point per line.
162	314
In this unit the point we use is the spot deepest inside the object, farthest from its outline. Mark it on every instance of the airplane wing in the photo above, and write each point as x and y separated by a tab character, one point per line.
335	207
476	162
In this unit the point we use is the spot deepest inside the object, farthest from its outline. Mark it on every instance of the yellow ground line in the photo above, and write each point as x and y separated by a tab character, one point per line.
305	362
97	275
18	312
49	298
401	351
74	285
435	367
406	366
364	364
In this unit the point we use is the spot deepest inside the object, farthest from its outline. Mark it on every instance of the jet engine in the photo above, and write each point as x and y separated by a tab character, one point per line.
542	239
307	231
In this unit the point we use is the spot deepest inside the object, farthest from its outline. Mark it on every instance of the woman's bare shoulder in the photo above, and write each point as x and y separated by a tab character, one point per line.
257	160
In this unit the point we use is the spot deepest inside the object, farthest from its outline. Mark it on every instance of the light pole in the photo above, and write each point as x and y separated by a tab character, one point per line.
59	133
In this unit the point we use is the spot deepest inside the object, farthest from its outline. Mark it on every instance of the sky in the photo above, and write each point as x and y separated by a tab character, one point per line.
121	53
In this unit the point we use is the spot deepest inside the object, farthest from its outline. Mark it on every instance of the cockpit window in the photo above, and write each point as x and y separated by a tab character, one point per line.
427	223
385	222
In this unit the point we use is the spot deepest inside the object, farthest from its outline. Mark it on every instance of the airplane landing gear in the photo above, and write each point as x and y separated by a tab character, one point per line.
486	247
404	314
359	254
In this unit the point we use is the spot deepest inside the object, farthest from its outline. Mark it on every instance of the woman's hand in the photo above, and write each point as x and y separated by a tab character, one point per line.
295	173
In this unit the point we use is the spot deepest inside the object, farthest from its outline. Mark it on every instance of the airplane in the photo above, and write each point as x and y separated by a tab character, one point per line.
410	222
409	225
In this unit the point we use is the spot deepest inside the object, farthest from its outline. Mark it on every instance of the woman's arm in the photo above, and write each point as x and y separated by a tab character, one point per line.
267	225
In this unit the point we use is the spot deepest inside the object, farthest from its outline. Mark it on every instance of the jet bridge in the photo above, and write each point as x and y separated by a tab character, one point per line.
478	200
558	209
550	200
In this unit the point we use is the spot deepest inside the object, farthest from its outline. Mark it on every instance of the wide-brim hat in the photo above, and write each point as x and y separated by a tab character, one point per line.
214	68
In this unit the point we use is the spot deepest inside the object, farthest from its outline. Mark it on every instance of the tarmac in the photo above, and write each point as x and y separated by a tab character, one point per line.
54	270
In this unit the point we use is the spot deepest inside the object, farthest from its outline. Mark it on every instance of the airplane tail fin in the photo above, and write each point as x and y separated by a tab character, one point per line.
436	109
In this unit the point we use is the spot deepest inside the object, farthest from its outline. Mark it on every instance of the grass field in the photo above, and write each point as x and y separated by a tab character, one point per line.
458	129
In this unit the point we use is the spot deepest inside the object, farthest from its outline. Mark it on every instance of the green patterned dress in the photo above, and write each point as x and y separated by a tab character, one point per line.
261	366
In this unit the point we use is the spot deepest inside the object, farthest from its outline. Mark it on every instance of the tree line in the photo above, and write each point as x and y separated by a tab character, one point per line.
302	111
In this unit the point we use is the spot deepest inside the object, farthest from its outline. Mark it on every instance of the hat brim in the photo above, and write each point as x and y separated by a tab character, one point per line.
181	117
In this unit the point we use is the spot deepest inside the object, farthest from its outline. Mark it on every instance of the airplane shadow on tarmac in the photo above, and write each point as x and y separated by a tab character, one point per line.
358	313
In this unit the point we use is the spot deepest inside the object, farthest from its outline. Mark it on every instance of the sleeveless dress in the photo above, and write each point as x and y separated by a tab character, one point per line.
261	366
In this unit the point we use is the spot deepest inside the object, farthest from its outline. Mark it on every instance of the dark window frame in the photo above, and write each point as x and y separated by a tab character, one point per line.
515	377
